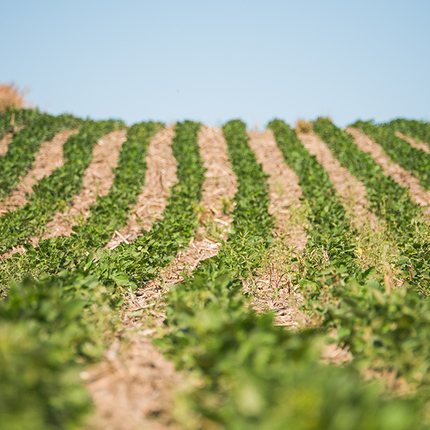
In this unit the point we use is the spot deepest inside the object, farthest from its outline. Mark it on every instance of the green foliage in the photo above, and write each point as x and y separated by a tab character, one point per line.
48	330
386	330
251	374
256	376
400	151
252	225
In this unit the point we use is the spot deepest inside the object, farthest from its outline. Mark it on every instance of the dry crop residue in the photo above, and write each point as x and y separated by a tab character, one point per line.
400	175
159	178
348	186
98	179
47	159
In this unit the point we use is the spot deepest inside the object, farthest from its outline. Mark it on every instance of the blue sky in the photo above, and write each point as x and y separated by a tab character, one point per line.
216	60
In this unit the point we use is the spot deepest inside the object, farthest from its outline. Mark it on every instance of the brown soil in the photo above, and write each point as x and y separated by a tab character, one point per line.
352	191
98	179
48	158
133	387
4	143
284	188
414	143
400	175
7	138
159	178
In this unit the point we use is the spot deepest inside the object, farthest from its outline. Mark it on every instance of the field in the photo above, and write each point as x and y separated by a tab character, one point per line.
191	277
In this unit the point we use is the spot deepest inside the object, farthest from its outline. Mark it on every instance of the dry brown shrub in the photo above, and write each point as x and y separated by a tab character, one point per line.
303	126
11	96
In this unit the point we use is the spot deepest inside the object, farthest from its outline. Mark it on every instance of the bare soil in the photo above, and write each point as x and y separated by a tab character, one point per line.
284	188
160	176
400	175
7	138
133	387
98	179
4	143
47	159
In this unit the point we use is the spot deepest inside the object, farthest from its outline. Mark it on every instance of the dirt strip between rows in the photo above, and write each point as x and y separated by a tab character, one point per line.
160	176
284	188
97	180
414	143
352	191
47	159
7	138
135	385
4	143
400	175
270	291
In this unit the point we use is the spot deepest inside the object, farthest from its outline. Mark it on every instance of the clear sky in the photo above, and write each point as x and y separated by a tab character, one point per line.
217	60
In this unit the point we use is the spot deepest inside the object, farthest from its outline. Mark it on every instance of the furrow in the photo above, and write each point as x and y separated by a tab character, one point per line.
285	192
414	143
97	180
47	159
348	186
159	178
400	175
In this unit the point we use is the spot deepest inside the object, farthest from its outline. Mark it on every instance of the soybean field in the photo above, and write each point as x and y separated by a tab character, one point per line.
181	276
